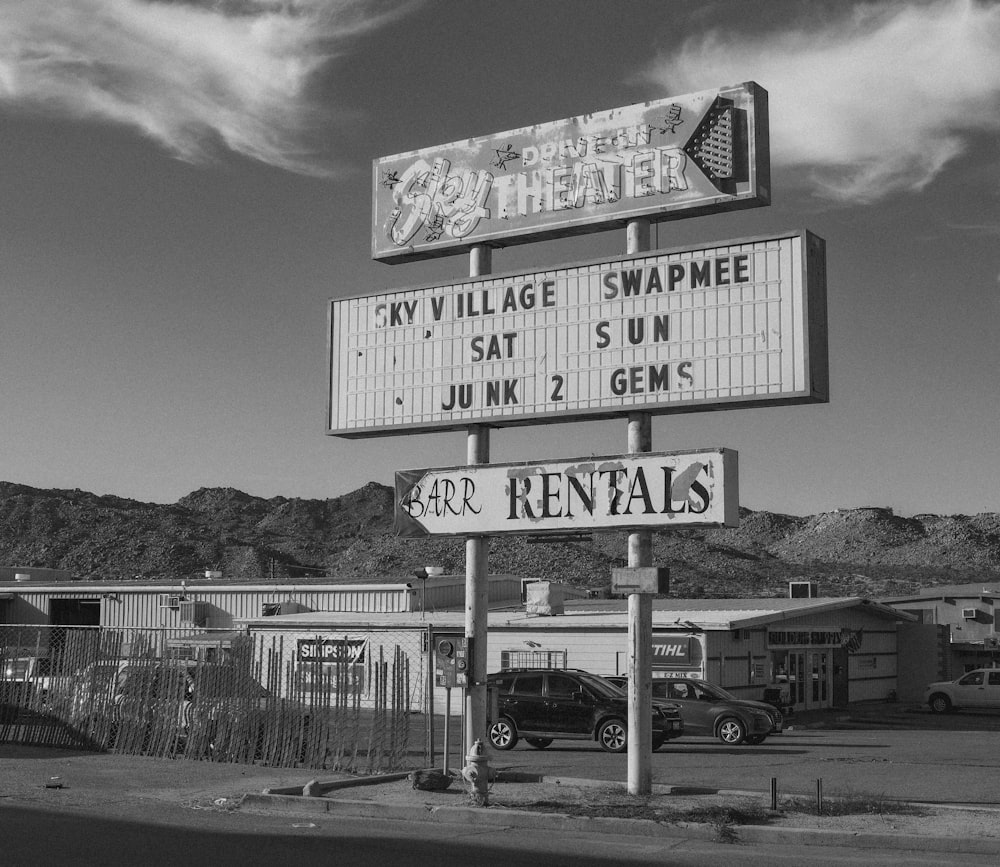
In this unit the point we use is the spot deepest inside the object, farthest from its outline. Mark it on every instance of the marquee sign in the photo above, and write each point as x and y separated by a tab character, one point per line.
714	326
683	156
668	489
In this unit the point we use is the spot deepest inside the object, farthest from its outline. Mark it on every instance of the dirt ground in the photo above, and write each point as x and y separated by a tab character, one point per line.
876	816
50	777
96	781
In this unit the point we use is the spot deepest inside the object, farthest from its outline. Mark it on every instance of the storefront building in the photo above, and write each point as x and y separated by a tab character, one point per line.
814	653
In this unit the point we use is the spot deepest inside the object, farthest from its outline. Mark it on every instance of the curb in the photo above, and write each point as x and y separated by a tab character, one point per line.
316	789
501	817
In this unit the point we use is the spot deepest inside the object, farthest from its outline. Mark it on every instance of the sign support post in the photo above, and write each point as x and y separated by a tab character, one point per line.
477	550
640	605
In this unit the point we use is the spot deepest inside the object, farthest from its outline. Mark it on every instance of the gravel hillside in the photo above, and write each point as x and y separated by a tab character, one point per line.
866	551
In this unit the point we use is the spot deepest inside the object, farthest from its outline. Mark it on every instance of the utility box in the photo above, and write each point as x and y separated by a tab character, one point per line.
452	660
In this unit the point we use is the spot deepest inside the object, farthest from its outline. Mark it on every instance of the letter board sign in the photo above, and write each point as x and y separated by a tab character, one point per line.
682	156
738	323
682	489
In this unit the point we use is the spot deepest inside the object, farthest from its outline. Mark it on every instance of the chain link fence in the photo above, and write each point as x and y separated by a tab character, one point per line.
328	702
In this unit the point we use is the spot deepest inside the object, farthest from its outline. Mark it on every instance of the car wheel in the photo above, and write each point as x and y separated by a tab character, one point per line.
756	739
613	736
539	743
731	731
940	703
503	735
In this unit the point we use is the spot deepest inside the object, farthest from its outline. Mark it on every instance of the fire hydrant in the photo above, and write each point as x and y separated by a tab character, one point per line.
477	774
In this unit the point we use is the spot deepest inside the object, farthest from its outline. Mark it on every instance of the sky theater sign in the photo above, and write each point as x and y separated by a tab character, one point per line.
677	157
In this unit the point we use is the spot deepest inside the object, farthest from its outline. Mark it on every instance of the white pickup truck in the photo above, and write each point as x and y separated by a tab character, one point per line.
975	689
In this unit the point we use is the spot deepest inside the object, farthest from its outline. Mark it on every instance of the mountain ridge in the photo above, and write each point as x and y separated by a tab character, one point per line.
867	551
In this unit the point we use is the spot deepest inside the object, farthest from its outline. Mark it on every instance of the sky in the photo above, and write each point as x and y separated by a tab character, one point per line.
185	185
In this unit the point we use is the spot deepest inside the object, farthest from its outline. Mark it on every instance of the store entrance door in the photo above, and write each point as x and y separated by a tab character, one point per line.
810	678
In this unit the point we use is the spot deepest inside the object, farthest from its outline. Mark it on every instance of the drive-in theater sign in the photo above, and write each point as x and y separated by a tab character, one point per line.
677	157
709	326
738	323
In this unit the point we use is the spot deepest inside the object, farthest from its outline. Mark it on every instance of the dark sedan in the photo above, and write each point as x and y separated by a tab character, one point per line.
710	710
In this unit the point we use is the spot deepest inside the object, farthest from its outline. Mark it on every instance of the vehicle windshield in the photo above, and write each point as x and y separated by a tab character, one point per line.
600	686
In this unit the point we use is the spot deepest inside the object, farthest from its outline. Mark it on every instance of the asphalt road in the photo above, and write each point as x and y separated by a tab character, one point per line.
163	835
119	810
932	766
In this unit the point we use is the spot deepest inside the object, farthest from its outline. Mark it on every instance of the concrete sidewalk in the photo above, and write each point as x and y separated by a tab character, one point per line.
539	802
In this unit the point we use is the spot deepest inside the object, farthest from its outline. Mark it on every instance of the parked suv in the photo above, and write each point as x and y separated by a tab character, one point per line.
710	710
979	688
542	704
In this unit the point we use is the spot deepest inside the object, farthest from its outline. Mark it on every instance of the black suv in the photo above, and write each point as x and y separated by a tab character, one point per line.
542	704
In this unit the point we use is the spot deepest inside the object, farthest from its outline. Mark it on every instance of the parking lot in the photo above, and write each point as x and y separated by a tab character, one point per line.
934	764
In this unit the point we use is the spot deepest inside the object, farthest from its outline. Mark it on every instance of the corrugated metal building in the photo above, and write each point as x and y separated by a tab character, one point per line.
214	604
818	652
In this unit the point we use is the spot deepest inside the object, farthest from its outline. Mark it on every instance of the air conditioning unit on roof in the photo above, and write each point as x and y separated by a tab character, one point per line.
170	600
969	613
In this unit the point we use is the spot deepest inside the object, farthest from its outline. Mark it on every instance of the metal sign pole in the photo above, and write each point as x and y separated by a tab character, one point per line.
429	638
640	605
477	588
447	728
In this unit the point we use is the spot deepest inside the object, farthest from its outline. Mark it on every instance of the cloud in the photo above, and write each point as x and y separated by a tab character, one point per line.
874	103
193	76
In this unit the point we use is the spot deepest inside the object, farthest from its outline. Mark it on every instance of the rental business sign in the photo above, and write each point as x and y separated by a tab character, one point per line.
682	156
668	489
737	323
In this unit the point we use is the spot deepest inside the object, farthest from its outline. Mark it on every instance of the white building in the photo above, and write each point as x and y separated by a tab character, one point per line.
817	652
